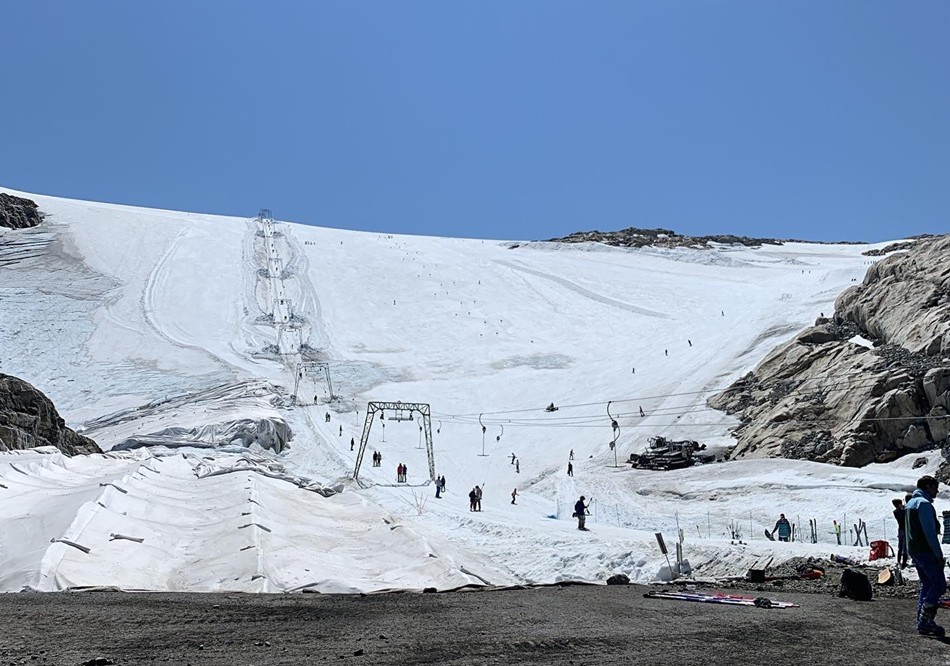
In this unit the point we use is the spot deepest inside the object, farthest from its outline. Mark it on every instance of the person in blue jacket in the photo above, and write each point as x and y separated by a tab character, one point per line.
783	527
923	546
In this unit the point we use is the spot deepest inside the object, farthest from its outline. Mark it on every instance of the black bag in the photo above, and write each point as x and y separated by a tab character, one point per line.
855	585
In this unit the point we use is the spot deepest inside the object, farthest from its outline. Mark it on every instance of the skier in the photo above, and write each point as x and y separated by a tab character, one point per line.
570	468
512	458
690	342
471	499
341	430
514	496
666	352
581	512
399	473
438	489
641	412
326	417
784	528
352	443
901	533
924	548
405	472
517	467
571	455
441	482
478	498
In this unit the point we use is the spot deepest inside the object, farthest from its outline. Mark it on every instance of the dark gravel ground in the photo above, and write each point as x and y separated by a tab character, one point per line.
594	625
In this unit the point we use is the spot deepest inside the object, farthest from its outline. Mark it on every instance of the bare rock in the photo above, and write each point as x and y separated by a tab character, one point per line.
822	397
28	419
18	213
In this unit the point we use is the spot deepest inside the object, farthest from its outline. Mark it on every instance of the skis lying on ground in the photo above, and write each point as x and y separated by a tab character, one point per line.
729	599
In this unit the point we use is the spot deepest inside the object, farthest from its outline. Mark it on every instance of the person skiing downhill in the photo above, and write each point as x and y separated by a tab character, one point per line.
580	512
923	546
514	496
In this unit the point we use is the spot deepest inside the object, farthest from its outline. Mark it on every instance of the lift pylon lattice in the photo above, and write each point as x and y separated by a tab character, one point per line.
311	370
402	411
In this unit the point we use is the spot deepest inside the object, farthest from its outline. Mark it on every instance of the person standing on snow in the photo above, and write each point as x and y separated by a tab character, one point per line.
571	455
352	443
570	469
784	528
518	466
923	546
478	498
580	512
471	499
514	496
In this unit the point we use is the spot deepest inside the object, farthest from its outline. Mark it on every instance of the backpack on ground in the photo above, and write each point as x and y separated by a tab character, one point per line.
855	585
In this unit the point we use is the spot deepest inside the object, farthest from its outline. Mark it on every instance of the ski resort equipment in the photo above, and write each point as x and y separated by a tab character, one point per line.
729	600
402	412
880	550
482	454
616	432
662	544
666	454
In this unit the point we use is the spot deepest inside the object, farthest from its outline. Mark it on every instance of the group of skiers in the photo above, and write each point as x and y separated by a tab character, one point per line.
401	471
377	459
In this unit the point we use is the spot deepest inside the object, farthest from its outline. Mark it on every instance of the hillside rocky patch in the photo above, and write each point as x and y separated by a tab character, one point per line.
18	213
665	238
827	395
28	419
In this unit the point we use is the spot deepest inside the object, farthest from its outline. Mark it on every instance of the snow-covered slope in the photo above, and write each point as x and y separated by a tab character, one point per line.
135	321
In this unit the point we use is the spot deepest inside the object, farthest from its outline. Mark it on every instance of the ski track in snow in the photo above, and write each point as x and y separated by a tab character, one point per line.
444	321
586	292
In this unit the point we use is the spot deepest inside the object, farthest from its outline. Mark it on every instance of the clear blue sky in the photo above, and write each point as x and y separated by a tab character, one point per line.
493	119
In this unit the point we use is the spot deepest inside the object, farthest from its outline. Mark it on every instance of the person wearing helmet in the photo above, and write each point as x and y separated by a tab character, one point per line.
580	512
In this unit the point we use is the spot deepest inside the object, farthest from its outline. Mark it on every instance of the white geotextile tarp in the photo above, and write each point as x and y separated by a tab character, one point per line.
173	530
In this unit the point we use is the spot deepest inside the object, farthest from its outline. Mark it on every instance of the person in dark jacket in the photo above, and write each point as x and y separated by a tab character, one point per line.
901	533
580	512
923	546
783	527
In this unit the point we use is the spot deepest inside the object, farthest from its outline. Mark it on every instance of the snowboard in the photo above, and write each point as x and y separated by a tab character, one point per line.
768	535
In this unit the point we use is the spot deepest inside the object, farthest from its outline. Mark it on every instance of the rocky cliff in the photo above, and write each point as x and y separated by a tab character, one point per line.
870	384
633	237
18	213
28	419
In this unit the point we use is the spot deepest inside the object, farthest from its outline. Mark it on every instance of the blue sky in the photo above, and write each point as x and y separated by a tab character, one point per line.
494	119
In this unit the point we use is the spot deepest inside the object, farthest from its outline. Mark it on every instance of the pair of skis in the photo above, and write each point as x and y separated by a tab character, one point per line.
727	599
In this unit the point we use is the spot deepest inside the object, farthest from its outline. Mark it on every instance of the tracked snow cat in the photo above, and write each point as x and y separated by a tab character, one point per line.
664	454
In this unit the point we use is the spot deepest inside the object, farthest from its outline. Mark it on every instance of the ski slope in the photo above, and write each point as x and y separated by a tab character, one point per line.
164	327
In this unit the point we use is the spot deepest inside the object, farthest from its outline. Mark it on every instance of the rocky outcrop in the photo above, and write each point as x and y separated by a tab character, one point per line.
18	213
870	384
633	237
28	419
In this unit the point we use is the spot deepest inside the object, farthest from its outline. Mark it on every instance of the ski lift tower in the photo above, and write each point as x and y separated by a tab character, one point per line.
313	371
401	411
